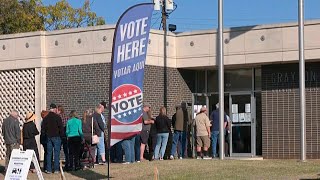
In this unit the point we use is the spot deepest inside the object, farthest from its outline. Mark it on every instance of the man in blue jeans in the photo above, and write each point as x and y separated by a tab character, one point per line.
128	148
52	127
180	122
215	129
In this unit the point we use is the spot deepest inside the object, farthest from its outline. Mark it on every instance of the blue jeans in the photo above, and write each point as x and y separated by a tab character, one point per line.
137	147
116	153
182	137
214	141
53	145
100	146
128	147
162	140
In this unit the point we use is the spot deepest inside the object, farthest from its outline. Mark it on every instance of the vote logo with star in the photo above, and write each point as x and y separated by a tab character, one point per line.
126	106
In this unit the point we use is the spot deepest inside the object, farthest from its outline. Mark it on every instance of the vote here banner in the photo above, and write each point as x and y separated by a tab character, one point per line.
129	52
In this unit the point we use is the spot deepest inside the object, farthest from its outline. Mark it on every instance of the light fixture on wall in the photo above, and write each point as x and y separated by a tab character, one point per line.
79	41
104	38
27	45
4	47
172	27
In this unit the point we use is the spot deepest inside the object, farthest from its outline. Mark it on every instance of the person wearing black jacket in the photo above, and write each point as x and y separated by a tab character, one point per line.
98	117
29	131
53	129
163	125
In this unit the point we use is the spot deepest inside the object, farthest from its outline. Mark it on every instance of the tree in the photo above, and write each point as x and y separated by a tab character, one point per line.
63	16
18	16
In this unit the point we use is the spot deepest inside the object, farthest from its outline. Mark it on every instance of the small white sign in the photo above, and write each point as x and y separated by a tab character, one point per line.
248	117
248	108
241	117
234	108
19	165
235	118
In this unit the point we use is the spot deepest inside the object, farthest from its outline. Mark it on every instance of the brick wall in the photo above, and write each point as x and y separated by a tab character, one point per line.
281	111
81	86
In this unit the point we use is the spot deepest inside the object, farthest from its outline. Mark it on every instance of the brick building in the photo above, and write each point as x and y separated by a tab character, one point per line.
72	68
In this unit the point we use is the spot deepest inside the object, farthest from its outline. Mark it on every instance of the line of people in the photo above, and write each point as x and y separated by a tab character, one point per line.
70	133
155	135
58	131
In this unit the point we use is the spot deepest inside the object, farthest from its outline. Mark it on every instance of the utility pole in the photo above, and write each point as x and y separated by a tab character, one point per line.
165	81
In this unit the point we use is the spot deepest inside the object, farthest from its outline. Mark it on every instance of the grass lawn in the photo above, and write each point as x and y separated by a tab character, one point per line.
200	169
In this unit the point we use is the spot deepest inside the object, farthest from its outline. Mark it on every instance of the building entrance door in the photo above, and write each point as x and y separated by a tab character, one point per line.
242	131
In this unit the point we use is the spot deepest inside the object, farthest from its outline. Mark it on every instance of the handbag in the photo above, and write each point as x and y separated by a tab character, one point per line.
94	138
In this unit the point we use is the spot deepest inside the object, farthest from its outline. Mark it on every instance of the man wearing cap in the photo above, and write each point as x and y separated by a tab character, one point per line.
215	129
53	129
202	124
146	125
11	134
29	131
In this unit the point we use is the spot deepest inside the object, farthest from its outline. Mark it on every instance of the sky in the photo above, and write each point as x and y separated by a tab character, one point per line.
192	15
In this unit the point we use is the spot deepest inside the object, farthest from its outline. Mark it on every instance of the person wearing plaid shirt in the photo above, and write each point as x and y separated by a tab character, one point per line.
64	140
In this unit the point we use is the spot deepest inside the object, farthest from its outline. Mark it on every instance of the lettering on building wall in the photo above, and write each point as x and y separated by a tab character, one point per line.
293	77
285	78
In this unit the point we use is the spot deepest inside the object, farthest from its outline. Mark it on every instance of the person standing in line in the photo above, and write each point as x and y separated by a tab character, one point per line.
128	148
64	140
97	116
202	124
29	131
215	129
43	140
75	137
152	141
52	127
87	124
163	125
11	134
146	125
180	125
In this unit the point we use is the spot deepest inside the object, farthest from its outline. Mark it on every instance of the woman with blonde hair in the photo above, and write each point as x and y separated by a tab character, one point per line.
29	131
163	125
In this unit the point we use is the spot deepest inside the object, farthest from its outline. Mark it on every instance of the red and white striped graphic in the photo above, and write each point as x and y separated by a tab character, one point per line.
126	112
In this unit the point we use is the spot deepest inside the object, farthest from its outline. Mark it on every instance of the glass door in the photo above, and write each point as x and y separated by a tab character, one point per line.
198	100
242	116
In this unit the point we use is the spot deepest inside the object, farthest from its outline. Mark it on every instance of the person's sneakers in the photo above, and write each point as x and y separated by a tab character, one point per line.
126	163
102	163
198	157
57	172
47	172
138	161
180	158
171	157
206	157
161	159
